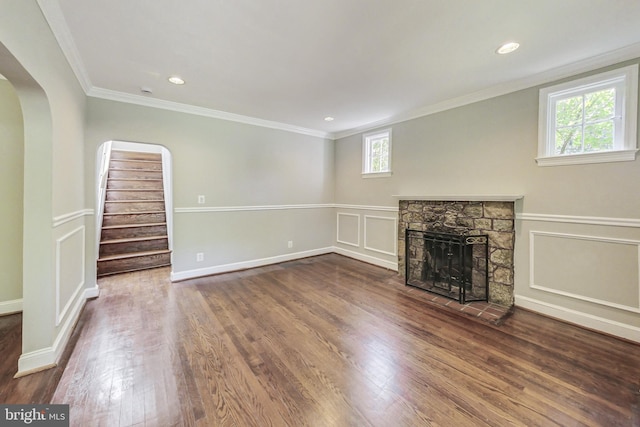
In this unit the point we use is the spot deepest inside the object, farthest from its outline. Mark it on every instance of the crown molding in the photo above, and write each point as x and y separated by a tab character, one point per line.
609	58
54	17
128	98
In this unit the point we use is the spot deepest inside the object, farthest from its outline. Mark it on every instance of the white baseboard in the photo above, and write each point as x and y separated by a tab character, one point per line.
44	358
367	258
590	321
225	268
93	292
10	307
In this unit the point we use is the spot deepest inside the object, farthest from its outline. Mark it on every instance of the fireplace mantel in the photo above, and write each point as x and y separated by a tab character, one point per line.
463	197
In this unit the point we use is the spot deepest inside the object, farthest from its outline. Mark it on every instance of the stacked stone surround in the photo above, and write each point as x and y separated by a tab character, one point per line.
495	219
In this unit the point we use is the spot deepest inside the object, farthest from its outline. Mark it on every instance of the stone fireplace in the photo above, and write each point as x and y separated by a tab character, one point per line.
492	217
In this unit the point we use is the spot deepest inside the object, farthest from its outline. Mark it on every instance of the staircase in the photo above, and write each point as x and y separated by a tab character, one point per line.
134	225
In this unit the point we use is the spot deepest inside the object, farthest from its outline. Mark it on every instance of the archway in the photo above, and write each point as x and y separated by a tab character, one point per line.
133	182
37	252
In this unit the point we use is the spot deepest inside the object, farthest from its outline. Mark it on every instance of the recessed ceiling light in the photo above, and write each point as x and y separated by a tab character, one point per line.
176	80
507	48
328	119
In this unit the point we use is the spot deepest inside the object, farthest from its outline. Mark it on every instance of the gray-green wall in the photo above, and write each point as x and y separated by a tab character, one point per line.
54	279
586	212
263	187
11	199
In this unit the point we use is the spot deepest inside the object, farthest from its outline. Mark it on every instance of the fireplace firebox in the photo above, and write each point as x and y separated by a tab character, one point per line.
450	265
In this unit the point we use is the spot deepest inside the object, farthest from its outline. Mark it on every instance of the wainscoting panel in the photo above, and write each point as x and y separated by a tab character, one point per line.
381	234
348	229
585	270
580	266
70	271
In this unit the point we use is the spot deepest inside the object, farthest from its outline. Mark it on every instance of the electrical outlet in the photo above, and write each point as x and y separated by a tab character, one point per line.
199	257
201	200
290	244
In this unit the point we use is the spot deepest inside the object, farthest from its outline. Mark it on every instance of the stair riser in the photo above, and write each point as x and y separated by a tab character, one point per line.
133	219
117	184
132	164
132	207
135	174
132	247
135	195
130	155
130	232
133	264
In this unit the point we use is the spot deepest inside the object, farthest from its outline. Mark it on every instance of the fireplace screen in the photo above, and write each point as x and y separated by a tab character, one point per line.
451	265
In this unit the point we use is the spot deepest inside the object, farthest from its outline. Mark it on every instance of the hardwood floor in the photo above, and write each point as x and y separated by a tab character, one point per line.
330	341
31	389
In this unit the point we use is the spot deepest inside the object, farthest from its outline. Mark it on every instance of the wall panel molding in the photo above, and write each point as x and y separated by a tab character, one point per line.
532	264
62	307
394	220
346	242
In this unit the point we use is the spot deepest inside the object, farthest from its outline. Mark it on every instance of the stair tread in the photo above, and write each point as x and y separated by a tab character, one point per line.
134	201
115	168
133	213
134	179
115	159
134	239
121	226
133	255
139	190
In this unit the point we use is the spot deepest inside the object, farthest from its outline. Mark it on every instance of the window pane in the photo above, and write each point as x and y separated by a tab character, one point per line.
598	136
377	150
380	155
599	105
569	111
569	140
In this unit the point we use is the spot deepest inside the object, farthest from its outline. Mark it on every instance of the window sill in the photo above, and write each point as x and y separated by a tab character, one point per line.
585	158
376	174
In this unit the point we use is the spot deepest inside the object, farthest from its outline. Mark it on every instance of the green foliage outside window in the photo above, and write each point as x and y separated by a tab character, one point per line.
585	123
380	155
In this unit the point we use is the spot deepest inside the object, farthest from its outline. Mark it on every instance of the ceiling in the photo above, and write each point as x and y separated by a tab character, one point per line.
363	62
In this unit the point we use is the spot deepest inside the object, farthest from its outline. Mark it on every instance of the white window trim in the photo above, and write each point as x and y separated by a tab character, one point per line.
365	154
627	149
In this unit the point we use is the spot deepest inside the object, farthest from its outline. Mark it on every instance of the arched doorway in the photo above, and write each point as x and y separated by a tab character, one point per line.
134	207
38	293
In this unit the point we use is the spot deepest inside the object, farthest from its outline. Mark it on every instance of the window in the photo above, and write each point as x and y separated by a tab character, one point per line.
590	120
376	154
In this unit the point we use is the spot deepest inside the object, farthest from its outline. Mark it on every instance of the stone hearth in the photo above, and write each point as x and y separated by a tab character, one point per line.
493	218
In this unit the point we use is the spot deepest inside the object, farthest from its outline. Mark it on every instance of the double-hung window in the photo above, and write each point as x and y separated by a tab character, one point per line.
376	154
589	120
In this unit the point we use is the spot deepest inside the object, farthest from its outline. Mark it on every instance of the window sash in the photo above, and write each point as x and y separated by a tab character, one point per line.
624	81
617	84
377	153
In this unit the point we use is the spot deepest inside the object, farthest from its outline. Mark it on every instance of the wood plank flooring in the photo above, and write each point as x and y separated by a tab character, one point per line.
31	389
330	341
